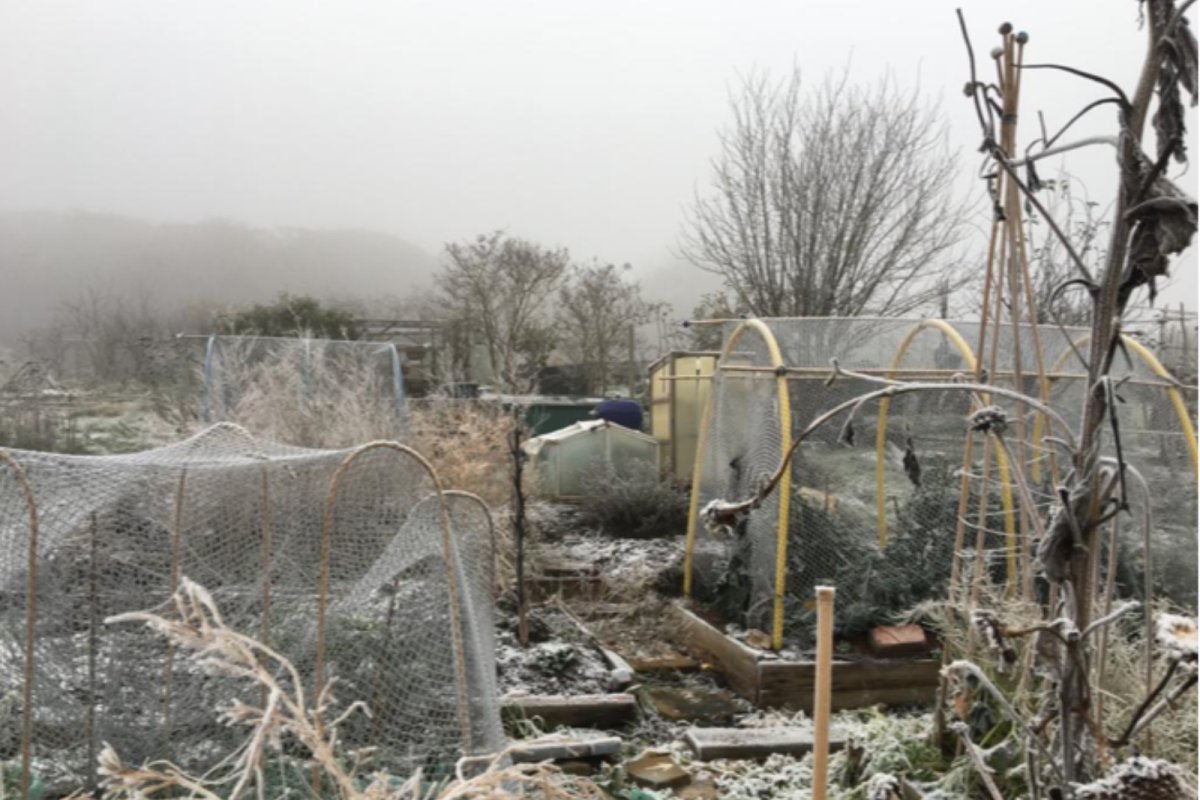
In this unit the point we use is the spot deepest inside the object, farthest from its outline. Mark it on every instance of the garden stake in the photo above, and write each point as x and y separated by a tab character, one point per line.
821	691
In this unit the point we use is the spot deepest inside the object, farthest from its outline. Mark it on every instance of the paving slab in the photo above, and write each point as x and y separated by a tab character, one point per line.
574	711
564	749
687	704
753	743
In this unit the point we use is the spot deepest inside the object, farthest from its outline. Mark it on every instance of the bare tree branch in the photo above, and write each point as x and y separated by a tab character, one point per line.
831	203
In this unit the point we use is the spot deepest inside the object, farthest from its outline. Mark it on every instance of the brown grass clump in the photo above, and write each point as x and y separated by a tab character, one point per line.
310	399
197	628
1120	685
467	443
336	400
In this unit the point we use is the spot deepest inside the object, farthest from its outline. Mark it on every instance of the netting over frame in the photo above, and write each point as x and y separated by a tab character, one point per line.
297	387
848	500
744	436
349	563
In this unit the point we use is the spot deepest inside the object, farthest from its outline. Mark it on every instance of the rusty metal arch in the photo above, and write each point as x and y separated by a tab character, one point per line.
464	714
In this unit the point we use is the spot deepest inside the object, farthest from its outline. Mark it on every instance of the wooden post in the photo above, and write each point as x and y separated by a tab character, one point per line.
632	361
518	523
821	691
672	405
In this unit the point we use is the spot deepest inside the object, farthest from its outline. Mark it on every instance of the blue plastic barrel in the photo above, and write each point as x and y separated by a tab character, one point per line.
627	413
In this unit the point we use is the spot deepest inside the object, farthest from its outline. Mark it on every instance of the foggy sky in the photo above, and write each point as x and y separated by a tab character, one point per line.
582	123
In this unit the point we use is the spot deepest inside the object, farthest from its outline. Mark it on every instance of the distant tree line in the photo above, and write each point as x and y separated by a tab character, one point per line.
517	303
290	316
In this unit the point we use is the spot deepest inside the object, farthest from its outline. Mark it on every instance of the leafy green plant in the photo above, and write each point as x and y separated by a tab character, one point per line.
832	545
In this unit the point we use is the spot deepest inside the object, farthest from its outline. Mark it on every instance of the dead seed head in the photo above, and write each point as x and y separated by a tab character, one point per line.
989	419
1177	634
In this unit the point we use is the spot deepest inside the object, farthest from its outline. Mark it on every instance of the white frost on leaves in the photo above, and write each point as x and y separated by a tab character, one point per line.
1137	774
719	517
1177	633
883	787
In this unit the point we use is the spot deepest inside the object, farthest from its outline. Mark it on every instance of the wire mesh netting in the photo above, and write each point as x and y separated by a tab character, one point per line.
293	388
875	508
745	438
352	564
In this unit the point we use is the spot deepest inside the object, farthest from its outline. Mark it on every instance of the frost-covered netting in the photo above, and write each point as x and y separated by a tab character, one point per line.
744	442
295	387
349	563
877	515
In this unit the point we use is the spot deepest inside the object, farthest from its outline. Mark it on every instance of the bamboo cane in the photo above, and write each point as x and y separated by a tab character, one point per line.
821	692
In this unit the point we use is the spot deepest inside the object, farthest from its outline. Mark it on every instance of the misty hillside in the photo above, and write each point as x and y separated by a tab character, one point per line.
51	258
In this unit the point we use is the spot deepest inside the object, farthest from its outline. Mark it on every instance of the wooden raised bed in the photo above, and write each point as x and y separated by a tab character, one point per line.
777	683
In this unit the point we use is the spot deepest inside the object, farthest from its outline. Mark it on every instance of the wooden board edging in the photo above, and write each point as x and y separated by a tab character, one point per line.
737	662
773	683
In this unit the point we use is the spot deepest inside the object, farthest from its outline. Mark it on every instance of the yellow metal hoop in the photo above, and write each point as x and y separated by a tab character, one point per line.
785	483
885	404
1156	366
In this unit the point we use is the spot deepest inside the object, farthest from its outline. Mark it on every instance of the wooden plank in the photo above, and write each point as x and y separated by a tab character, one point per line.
620	674
799	676
855	683
577	711
672	663
553	567
556	749
545	587
851	698
751	743
737	662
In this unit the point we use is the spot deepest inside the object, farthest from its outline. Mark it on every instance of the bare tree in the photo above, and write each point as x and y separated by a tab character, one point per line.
114	334
599	313
497	289
834	203
713	306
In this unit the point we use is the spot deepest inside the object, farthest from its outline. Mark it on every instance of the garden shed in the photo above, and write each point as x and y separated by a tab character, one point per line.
567	460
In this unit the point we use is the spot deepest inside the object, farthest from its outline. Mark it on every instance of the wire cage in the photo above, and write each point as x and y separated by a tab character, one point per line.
298	378
353	564
889	507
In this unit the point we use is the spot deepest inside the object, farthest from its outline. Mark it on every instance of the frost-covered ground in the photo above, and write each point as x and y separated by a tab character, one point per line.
559	659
